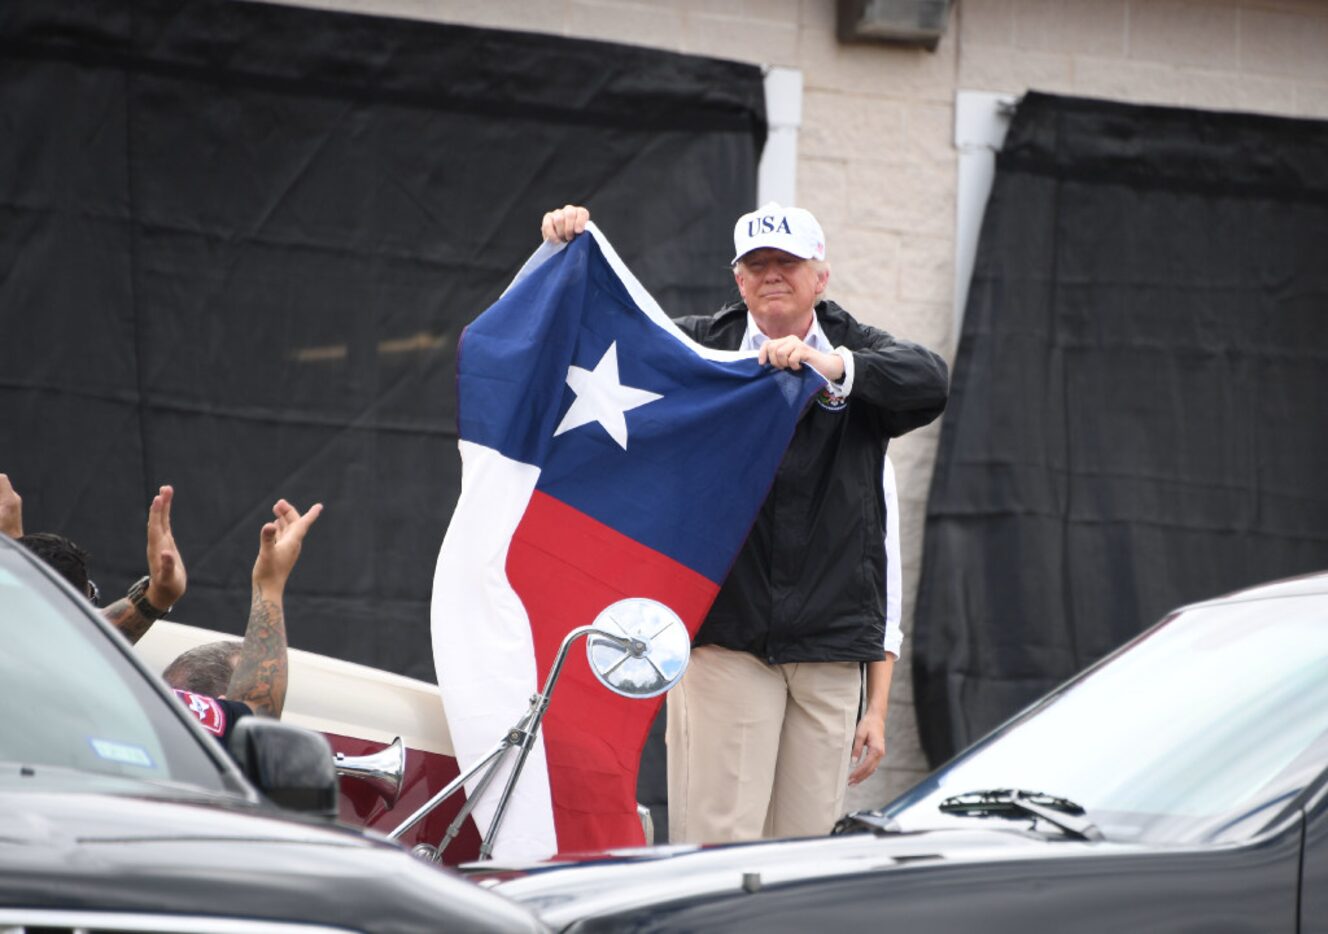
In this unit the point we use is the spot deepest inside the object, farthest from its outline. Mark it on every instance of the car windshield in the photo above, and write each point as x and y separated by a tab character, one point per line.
75	709
1203	731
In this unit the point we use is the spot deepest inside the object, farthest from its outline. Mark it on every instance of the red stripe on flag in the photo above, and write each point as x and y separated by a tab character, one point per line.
566	567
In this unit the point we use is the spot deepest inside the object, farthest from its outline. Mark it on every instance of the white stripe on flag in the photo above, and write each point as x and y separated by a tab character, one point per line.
482	646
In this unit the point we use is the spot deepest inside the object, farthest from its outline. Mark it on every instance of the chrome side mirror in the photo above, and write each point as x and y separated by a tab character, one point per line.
638	647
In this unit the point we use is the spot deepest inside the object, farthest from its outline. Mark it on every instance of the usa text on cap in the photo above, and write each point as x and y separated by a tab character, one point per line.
793	230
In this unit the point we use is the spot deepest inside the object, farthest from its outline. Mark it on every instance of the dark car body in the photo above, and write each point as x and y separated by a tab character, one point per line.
117	813
1198	755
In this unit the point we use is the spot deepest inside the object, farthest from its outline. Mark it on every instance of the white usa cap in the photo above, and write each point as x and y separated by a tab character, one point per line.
792	230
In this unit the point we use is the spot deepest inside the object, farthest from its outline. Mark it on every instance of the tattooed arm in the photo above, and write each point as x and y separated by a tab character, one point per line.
125	617
166	574
259	679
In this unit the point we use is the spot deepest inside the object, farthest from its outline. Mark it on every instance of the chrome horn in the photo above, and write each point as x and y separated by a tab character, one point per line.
382	770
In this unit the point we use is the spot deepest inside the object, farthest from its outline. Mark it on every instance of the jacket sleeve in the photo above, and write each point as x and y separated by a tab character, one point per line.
906	383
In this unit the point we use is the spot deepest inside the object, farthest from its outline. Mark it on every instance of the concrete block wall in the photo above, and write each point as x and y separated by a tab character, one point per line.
877	162
1268	56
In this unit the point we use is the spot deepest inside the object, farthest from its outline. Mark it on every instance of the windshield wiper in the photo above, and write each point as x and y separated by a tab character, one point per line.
857	821
1018	803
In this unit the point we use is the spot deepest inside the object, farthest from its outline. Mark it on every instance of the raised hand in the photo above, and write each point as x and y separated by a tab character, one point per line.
11	509
562	224
166	574
280	542
259	679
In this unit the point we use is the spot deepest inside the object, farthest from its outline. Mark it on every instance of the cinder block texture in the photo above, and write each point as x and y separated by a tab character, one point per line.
1093	27
823	190
986	67
927	271
1285	42
658	26
762	41
1312	100
1183	33
1124	79
1225	90
906	198
851	127
864	271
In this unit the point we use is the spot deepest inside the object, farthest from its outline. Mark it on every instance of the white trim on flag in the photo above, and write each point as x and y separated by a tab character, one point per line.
483	649
644	300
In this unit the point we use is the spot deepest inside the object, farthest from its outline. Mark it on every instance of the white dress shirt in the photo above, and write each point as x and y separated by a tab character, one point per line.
815	339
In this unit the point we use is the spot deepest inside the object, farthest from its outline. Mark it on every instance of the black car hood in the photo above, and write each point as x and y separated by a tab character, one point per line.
581	887
99	852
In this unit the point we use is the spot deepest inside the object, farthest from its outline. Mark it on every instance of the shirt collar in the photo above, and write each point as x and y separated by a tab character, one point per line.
755	337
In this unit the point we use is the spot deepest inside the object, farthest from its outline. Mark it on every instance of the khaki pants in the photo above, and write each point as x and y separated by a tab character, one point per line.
758	750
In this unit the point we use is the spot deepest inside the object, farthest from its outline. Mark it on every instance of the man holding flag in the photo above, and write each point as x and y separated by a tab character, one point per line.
766	722
612	453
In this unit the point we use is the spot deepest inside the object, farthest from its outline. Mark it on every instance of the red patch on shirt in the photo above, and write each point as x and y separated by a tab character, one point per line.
209	713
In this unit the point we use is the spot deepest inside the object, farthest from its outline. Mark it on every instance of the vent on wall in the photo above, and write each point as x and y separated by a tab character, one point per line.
905	22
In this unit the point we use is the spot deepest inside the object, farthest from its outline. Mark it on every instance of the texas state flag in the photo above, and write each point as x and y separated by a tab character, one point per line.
605	455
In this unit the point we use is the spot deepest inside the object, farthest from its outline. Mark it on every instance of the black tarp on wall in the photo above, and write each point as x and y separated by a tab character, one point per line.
238	243
1137	414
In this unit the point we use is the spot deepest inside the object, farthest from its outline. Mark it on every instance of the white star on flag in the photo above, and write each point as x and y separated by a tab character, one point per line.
601	397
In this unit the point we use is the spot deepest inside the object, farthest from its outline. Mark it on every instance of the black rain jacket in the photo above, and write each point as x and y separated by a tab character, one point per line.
809	583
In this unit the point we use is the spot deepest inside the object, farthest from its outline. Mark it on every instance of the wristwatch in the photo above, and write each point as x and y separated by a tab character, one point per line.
138	596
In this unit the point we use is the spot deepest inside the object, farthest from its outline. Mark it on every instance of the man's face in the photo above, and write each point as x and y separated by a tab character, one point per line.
779	285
